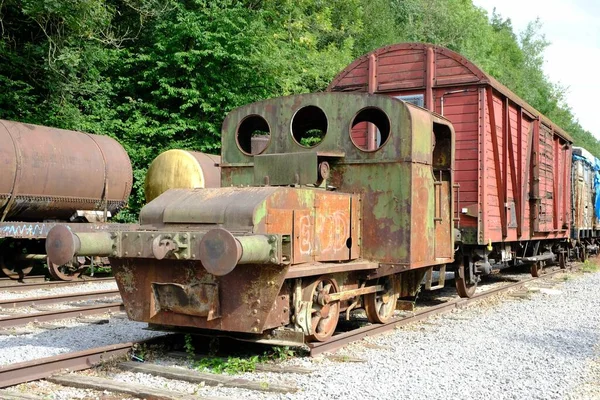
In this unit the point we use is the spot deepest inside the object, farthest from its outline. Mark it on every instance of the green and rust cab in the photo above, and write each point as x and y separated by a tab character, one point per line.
400	184
325	199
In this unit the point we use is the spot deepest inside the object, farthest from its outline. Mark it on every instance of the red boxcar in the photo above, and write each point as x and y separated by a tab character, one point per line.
513	165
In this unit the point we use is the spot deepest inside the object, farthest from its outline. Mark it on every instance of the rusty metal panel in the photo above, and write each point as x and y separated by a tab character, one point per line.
355	227
304	233
444	245
55	172
201	299
332	227
280	221
244	307
285	169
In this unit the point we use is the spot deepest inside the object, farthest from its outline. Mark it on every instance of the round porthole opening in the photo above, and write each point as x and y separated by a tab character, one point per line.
309	126
370	129
253	135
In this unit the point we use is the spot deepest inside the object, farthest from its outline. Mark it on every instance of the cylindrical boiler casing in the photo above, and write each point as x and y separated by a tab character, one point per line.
49	173
181	169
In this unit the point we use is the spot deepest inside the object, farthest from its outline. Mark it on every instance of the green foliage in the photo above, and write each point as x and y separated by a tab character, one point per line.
590	266
162	74
188	346
236	365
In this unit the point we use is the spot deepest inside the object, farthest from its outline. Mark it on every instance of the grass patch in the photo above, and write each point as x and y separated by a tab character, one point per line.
234	364
590	267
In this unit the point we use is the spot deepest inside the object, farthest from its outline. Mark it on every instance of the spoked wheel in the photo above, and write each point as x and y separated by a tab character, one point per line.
324	316
15	269
537	269
380	306
66	272
465	282
10	266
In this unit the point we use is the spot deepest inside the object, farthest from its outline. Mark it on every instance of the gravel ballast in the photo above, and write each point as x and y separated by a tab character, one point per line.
544	347
538	348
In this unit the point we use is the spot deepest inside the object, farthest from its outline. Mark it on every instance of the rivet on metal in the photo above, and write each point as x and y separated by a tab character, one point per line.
139	253
126	253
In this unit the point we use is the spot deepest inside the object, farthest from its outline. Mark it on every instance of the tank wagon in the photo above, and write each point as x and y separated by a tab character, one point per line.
51	177
585	188
306	226
513	200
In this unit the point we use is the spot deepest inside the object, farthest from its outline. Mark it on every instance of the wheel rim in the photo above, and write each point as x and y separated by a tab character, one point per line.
380	306
15	270
67	272
461	279
324	317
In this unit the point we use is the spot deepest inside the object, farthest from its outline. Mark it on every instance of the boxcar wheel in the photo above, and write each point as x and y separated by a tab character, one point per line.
380	306
465	285
324	316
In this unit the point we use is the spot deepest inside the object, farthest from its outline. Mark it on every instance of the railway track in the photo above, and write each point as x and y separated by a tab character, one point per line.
24	319
43	368
17	286
61	298
339	340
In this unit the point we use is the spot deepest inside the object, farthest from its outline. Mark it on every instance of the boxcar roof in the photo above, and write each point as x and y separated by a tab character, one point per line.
469	75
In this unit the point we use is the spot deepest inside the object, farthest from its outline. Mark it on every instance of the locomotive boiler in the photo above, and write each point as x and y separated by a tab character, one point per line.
512	163
306	227
55	176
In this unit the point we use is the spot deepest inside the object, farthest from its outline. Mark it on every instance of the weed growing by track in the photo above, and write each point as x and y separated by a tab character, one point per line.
233	364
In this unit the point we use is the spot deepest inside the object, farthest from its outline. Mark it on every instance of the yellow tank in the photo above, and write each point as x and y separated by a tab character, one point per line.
181	169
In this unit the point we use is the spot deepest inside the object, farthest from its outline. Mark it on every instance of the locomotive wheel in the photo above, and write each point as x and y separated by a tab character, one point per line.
15	270
66	272
537	269
463	287
380	306
324	317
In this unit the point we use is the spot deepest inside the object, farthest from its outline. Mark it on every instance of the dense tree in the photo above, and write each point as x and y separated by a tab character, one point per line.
160	74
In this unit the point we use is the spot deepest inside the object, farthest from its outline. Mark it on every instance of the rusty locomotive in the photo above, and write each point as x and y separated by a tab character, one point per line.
343	200
297	234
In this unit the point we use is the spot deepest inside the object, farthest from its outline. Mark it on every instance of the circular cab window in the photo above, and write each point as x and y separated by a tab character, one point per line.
309	126
253	135
370	129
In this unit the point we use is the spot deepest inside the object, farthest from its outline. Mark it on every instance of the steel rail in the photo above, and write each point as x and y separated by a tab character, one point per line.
342	339
6	281
30	301
26	371
24	319
52	284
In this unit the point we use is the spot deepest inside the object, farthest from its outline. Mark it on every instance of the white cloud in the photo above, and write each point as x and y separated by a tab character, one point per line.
573	57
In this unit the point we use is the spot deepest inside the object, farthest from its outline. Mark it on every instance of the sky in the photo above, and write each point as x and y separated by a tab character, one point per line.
573	56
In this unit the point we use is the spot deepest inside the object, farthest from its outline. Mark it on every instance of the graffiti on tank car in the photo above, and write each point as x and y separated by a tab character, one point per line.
334	231
25	230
